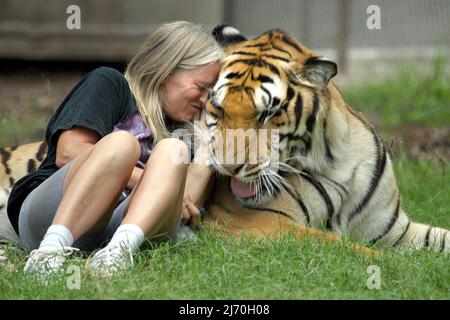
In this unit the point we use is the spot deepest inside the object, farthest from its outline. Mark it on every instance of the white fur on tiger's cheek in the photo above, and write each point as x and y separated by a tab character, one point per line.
220	89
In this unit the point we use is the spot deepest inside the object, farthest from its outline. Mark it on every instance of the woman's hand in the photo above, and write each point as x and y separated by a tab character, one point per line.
190	213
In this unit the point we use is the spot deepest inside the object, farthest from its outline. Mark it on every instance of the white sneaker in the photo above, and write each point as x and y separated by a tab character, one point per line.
111	261
3	259
45	262
184	234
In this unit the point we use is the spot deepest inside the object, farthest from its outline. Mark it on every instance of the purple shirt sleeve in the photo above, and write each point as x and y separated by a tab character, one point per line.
136	126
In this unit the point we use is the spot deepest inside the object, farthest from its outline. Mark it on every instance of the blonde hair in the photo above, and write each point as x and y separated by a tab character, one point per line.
173	46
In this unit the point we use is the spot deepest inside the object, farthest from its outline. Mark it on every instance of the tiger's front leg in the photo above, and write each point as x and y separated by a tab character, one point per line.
317	199
280	217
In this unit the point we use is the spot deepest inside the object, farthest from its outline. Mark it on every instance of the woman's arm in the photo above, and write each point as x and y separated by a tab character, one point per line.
199	178
198	181
73	142
135	177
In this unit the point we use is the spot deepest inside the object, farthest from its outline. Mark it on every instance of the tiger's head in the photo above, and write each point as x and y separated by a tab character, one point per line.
261	113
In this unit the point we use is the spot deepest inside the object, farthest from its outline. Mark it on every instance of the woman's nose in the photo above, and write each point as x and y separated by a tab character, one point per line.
203	98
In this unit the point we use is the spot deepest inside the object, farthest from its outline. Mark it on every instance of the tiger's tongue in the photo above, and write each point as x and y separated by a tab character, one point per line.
241	189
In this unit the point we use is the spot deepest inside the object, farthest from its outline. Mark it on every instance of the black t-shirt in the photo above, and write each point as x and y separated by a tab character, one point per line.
98	102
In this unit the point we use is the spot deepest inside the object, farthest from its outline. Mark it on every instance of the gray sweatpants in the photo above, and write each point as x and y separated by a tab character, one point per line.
39	209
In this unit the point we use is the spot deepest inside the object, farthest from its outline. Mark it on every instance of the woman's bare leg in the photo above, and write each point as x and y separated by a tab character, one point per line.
156	201
94	182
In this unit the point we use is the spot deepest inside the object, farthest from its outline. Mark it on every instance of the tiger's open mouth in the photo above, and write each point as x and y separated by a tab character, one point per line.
241	189
258	187
251	194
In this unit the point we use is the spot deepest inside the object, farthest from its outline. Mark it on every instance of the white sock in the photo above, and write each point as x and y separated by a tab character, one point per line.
129	235
57	237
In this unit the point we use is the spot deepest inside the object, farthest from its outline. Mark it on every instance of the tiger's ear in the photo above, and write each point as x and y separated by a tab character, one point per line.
318	71
226	35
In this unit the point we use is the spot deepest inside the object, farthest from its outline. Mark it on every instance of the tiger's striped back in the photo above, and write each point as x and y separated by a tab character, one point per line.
16	162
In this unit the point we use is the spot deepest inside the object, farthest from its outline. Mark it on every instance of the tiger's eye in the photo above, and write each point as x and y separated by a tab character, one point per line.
275	102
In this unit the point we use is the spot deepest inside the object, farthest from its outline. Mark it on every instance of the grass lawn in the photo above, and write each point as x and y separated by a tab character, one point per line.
218	267
409	97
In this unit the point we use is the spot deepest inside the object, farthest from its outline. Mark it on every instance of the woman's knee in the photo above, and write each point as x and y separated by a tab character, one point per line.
174	149
120	147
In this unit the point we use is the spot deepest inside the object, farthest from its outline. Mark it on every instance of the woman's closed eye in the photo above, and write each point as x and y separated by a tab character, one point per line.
203	88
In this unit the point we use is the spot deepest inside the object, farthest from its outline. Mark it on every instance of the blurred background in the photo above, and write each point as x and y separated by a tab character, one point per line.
393	59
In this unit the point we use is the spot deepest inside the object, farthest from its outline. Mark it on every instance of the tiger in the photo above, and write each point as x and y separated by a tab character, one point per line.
331	170
16	162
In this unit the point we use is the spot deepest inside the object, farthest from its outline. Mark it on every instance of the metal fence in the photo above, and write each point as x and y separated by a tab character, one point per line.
404	23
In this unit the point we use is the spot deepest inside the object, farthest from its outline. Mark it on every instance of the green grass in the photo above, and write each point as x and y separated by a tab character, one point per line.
23	124
219	267
408	97
15	132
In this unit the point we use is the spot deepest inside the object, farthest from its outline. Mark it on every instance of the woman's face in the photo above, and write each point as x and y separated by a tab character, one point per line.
185	92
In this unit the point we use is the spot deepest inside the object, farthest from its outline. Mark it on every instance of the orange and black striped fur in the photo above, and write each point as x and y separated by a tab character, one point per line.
16	162
333	170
